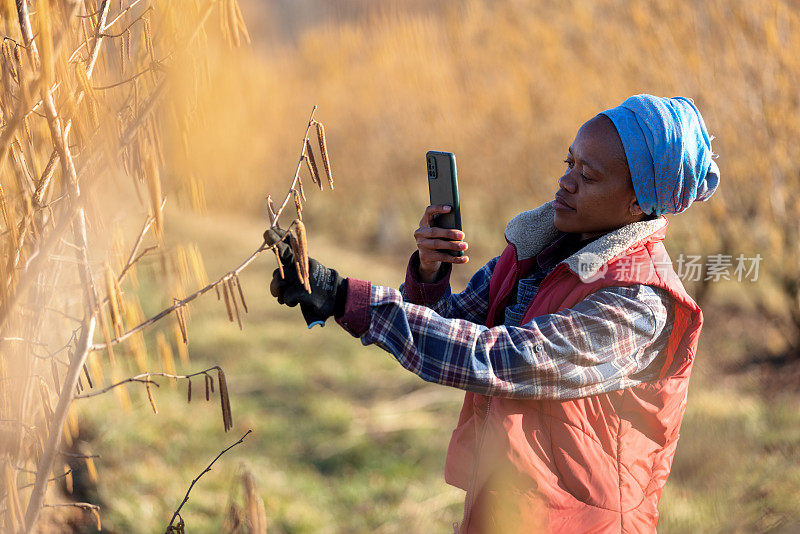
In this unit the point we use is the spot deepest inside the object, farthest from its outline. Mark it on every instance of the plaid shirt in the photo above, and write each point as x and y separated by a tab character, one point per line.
608	341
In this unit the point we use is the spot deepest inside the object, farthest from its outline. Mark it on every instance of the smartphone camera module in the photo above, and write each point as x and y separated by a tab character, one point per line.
432	168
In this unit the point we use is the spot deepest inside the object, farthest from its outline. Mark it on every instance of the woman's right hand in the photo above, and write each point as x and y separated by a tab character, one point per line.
430	238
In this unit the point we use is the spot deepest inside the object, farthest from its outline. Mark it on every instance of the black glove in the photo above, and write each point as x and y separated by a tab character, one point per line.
328	289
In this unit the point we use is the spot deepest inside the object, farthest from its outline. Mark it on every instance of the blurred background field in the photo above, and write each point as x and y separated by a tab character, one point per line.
345	440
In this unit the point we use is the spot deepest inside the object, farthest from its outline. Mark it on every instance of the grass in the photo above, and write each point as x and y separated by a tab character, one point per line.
345	440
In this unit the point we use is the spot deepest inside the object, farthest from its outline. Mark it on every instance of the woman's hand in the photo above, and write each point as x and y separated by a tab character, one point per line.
430	238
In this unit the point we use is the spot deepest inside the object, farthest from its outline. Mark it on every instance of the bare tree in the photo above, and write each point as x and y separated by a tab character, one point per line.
88	88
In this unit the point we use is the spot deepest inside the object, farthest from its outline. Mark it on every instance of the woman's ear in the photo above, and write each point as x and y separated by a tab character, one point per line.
636	210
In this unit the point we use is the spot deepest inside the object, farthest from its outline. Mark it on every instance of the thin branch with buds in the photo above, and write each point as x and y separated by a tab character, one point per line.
53	479
36	229
144	378
77	455
303	145
233	273
179	528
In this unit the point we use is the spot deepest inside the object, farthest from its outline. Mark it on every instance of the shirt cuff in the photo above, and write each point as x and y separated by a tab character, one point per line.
424	293
356	317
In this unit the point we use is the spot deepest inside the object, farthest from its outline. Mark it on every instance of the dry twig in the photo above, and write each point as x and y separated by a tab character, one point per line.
179	527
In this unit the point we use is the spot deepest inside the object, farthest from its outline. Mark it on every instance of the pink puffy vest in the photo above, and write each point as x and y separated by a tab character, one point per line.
594	464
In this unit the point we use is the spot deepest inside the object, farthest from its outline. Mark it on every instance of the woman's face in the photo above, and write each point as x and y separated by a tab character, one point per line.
596	194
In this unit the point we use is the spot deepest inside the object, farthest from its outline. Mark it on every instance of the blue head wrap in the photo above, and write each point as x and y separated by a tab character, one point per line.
668	150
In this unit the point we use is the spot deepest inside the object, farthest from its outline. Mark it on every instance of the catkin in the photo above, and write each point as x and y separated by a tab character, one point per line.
227	301
165	352
181	324
72	421
198	268
88	91
240	22
227	419
45	41
122	43
113	302
302	251
104	329
229	287
297	204
27	123
18	57
297	261
46	406
148	38
86	374
121	306
181	344
95	369
68	433
7	65
68	479
90	468
139	350
189	391
241	293
40	436
300	187
230	17
9	219
54	372
323	150
150	396
154	188
208	387
182	265
128	38
311	163
122	394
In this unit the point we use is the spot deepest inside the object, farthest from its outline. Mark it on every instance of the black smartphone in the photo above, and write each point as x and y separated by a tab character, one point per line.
443	188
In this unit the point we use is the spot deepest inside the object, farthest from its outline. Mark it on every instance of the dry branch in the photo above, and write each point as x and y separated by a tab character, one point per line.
36	224
54	170
179	527
222	280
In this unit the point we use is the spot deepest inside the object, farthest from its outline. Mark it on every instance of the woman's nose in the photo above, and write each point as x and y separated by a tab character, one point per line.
566	182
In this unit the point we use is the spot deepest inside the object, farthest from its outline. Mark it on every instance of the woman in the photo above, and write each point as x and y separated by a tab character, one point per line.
574	346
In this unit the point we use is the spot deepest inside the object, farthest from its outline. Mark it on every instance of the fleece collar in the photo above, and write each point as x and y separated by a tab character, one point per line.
531	231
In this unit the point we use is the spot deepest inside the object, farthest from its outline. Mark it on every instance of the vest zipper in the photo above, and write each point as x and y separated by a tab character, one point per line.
470	488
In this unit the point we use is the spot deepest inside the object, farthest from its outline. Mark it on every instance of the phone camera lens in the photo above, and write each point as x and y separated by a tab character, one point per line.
431	168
